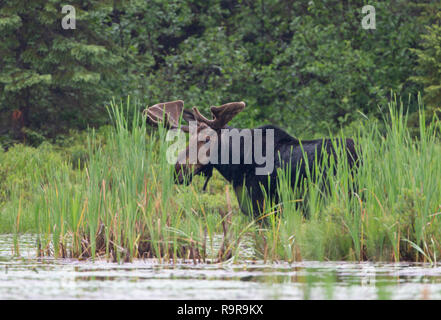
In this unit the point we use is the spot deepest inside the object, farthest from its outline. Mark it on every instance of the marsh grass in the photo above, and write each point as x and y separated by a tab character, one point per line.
122	204
388	209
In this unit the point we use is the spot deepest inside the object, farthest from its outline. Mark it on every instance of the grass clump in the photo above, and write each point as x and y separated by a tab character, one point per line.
121	202
388	210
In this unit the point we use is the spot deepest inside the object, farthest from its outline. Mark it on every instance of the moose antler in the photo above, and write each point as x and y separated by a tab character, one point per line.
222	115
169	112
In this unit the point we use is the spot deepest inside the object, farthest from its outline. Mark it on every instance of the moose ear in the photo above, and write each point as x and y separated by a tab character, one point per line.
188	116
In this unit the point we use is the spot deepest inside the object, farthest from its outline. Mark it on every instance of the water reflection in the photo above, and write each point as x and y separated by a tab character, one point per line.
30	278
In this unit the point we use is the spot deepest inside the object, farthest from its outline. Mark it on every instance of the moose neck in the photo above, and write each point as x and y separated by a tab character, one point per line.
241	162
234	173
262	150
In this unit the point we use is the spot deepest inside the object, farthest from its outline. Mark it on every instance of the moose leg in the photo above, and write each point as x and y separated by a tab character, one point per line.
208	174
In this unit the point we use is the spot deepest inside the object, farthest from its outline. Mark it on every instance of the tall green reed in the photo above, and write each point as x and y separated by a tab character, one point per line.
385	210
124	203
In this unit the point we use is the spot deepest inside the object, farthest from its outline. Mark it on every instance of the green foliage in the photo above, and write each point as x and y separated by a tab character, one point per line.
24	171
429	64
307	66
18	168
57	78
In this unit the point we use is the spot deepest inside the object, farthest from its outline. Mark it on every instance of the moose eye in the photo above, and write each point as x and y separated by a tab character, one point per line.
207	139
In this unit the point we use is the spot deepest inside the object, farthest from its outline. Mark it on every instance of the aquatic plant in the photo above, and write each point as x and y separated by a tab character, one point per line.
123	204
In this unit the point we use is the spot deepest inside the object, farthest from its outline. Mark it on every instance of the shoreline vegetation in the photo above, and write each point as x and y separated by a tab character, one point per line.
110	194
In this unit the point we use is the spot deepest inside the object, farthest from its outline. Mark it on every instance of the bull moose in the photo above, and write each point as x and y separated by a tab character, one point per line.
253	177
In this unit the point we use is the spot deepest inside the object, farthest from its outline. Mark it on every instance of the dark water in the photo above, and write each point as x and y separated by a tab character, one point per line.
29	278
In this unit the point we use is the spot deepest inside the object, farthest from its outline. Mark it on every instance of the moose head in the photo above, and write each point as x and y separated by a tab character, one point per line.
243	163
205	134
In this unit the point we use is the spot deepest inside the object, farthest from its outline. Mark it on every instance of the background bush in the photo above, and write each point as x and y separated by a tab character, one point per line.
307	66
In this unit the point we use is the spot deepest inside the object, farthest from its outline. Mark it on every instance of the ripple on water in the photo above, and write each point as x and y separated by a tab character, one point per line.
29	278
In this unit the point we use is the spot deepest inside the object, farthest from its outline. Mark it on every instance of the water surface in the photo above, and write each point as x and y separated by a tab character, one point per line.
27	277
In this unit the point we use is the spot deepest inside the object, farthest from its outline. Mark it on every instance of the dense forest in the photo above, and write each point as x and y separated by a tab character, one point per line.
307	66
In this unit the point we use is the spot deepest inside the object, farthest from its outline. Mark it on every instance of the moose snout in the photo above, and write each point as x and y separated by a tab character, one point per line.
184	173
179	176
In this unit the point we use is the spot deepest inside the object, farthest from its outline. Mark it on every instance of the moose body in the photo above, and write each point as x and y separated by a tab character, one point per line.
289	154
251	188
